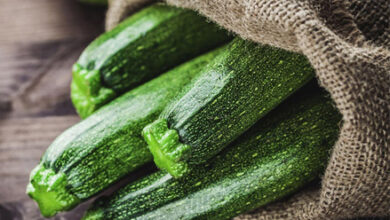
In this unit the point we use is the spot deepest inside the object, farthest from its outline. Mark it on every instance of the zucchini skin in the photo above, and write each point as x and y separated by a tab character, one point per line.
101	149
236	89
140	48
276	157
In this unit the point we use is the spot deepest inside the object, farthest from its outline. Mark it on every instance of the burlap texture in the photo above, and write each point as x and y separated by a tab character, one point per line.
348	44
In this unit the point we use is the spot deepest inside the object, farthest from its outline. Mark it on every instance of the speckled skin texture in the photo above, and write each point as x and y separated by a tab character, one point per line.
277	156
143	46
107	145
236	89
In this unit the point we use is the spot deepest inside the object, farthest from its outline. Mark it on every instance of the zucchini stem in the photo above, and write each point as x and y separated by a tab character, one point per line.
49	190
88	94
167	150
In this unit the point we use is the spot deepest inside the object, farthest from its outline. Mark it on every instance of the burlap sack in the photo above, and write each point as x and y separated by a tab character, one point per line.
348	43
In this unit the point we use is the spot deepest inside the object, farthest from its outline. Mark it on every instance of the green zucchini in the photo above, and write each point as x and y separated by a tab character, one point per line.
101	149
146	44
277	156
241	85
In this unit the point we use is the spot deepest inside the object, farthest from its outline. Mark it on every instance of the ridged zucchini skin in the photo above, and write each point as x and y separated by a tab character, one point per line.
277	156
237	88
143	46
101	149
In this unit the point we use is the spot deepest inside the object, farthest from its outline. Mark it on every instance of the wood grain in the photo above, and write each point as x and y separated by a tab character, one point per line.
39	39
45	20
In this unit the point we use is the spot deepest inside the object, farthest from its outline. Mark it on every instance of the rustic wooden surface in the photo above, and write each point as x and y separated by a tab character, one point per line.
39	42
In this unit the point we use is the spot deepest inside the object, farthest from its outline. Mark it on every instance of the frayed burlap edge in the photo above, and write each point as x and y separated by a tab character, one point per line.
347	43
119	9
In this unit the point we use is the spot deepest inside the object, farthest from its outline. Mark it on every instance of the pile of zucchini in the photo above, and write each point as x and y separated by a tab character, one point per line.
232	124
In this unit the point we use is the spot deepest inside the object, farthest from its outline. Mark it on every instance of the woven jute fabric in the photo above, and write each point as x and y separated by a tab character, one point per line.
119	9
348	43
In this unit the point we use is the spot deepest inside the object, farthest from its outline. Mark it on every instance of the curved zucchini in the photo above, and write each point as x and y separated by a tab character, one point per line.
237	88
277	156
101	149
143	46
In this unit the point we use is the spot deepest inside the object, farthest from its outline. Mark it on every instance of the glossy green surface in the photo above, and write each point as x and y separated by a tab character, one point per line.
237	88
143	46
107	145
277	156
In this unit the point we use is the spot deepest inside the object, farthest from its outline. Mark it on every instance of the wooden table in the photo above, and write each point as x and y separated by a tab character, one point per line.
39	42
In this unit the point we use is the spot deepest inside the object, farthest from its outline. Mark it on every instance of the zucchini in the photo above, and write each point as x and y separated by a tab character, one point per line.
143	46
277	156
241	85
101	149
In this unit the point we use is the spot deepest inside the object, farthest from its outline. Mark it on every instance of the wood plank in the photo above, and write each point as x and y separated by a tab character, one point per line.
46	20
39	42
